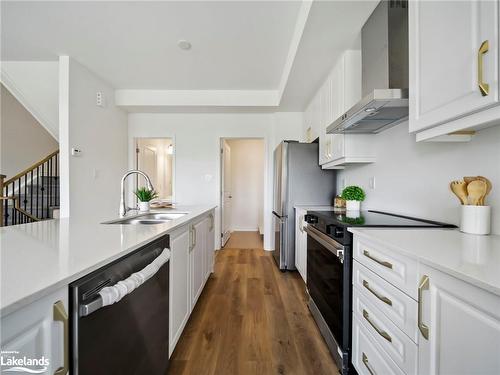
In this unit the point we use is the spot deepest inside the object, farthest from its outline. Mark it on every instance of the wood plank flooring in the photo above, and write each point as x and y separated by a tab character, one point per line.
251	319
244	240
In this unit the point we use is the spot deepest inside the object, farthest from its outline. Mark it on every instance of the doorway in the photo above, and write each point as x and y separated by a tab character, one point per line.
155	157
242	188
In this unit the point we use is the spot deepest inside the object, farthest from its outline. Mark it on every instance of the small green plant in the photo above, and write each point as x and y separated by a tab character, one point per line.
145	195
353	193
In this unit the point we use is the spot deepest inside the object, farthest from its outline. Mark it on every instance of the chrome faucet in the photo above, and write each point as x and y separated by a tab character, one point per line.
123	206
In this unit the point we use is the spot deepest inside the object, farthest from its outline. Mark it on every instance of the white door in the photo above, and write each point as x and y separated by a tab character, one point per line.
445	54
226	192
179	285
147	162
463	327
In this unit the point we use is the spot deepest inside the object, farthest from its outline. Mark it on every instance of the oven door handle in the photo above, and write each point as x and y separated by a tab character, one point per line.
329	243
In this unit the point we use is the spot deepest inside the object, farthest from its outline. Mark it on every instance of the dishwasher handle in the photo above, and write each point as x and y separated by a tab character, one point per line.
129	284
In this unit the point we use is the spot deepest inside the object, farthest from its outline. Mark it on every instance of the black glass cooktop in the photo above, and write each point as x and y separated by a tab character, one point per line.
375	219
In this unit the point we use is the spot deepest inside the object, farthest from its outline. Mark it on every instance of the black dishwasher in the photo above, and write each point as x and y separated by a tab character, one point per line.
130	336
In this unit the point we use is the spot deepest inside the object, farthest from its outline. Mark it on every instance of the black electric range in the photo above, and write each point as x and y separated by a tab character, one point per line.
329	271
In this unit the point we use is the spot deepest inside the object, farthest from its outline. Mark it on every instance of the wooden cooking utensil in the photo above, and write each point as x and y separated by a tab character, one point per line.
488	188
476	190
459	188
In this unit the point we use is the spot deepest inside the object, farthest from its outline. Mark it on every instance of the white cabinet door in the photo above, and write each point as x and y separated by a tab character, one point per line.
300	244
445	42
179	284
463	327
209	245
38	331
196	256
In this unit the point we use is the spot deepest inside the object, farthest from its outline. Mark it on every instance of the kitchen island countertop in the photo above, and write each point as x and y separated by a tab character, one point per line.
38	258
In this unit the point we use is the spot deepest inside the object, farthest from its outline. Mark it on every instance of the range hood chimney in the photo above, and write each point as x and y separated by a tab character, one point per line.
384	53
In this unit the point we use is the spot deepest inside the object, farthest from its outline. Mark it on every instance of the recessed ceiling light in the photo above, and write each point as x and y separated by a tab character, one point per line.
370	109
184	44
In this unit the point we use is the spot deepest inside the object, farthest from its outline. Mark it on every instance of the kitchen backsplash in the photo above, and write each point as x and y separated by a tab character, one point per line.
413	178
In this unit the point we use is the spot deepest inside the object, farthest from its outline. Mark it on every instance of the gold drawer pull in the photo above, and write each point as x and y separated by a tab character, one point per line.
382	298
384	334
483	86
367	364
424	285
381	262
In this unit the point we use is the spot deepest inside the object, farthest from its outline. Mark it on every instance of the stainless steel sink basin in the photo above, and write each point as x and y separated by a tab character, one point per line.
149	219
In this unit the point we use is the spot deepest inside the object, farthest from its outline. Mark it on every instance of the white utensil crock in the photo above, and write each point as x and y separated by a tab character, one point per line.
352	205
144	206
475	219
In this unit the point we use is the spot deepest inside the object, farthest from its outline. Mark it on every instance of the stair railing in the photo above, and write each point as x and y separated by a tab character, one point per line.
32	192
17	214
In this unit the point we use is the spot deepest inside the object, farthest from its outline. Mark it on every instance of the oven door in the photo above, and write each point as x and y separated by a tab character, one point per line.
325	279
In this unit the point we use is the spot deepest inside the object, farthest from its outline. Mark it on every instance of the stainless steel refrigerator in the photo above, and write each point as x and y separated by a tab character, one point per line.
298	180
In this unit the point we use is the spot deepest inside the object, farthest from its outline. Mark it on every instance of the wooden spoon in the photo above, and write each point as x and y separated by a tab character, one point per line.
459	188
488	188
476	190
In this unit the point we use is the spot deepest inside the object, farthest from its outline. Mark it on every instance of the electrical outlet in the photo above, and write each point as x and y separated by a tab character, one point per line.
372	182
99	100
343	183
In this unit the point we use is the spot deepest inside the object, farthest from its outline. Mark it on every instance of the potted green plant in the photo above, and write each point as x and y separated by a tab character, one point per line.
353	196
145	195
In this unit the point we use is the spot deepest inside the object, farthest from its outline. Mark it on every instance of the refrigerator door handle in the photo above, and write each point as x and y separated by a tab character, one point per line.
279	216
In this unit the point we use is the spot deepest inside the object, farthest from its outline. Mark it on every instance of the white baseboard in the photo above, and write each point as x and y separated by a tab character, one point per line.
244	230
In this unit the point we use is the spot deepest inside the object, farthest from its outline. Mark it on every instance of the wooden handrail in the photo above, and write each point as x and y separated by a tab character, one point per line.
18	208
29	169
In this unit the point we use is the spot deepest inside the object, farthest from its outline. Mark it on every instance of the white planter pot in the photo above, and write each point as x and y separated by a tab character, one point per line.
144	206
352	205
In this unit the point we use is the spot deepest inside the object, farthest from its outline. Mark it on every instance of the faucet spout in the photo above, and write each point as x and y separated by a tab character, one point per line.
123	206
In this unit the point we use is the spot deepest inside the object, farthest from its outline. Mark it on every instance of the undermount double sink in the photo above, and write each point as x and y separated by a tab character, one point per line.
149	219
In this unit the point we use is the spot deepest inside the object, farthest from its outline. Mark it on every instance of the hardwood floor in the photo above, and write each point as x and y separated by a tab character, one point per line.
244	240
251	319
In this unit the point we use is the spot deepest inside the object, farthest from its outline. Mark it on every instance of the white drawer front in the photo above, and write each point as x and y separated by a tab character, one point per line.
397	306
367	356
400	348
399	270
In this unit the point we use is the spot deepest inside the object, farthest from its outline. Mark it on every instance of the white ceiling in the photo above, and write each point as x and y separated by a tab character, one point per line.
239	48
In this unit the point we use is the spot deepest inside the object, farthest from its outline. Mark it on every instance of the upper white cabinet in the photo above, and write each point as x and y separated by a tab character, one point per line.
460	326
340	91
454	52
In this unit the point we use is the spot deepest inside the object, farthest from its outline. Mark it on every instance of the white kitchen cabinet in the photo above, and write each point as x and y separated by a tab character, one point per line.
197	259
446	55
39	331
463	326
179	290
300	243
210	246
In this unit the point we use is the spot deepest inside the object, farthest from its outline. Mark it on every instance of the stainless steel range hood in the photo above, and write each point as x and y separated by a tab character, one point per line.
384	53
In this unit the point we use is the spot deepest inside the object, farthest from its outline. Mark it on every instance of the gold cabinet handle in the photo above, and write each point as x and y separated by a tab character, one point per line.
483	86
364	358
60	315
424	285
382	333
382	298
381	262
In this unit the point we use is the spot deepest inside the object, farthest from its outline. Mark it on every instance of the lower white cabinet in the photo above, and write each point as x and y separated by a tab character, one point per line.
38	331
179	302
300	243
191	263
463	324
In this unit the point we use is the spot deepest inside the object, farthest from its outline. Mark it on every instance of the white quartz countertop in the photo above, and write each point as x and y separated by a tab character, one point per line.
471	258
314	208
39	258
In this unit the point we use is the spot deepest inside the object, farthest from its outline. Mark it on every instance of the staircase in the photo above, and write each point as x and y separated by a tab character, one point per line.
31	195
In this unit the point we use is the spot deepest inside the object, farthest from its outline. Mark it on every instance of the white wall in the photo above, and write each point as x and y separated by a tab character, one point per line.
35	85
23	140
413	178
90	183
247	184
197	150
